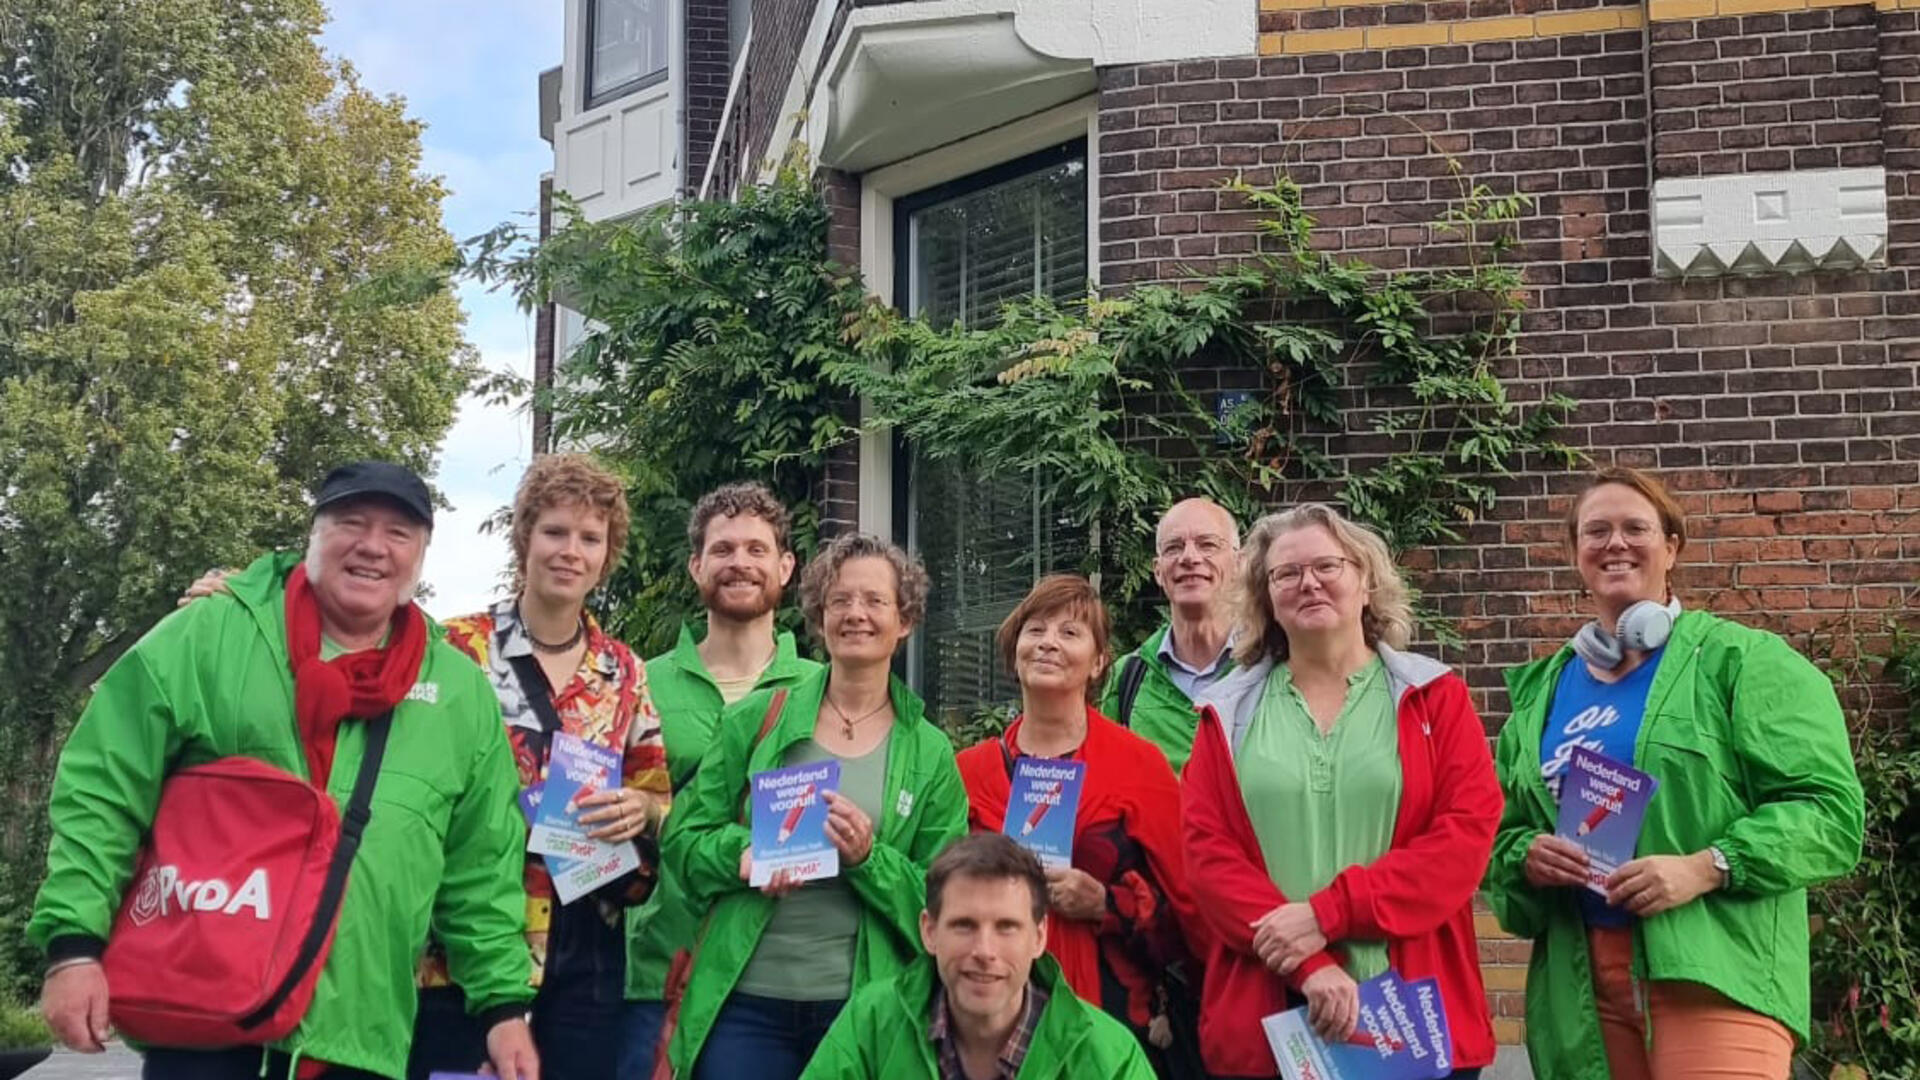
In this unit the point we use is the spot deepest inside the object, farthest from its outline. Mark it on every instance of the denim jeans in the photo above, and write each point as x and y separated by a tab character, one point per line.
641	1038
578	1027
239	1063
764	1038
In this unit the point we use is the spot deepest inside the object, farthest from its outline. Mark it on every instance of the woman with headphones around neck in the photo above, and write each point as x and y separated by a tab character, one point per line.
1694	963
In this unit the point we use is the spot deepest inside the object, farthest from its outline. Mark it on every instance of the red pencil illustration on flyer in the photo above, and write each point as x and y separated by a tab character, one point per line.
792	820
1049	795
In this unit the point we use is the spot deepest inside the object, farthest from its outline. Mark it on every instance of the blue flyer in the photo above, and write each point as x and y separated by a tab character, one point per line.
1602	803
1401	1034
790	822
1042	805
577	862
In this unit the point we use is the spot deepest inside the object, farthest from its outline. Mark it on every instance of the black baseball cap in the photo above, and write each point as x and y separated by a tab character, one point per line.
377	480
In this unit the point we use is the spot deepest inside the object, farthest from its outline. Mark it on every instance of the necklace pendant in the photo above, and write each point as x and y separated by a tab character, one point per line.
846	728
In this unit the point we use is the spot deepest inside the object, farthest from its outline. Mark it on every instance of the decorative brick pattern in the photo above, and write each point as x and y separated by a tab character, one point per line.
1766	93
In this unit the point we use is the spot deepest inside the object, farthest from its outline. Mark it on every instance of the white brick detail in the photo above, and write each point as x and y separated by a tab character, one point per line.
1770	223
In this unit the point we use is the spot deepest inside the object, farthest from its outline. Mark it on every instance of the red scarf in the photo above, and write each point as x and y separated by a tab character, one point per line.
362	685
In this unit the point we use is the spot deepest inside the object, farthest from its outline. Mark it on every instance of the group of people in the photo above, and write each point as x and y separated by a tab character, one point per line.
1279	802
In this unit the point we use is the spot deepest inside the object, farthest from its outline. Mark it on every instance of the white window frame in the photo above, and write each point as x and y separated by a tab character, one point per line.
880	188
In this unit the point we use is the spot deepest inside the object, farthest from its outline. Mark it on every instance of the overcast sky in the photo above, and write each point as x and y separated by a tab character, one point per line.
470	72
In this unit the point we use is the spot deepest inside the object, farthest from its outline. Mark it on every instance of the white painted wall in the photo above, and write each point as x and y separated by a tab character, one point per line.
626	155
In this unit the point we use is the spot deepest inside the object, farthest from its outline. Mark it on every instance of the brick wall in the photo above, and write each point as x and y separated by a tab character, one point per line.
1767	92
1784	410
707	74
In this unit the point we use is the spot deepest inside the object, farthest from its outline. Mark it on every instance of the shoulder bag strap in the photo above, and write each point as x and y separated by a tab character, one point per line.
353	826
1133	672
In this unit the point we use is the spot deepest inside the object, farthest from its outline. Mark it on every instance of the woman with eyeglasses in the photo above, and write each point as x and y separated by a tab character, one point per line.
1340	804
775	962
1694	961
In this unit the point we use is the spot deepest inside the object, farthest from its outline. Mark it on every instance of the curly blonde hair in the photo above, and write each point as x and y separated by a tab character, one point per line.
571	480
1386	618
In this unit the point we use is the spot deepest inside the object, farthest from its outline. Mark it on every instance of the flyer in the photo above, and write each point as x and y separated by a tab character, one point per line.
575	770
1602	803
790	822
1401	1034
1042	805
577	863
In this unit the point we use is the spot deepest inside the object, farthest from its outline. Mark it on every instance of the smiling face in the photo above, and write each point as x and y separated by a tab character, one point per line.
740	569
364	559
861	618
1057	652
1195	547
1621	550
566	552
984	943
1314	586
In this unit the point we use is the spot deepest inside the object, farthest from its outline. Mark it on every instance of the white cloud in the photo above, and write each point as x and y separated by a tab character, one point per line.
471	73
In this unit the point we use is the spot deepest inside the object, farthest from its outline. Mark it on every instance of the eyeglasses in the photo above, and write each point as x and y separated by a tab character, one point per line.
1326	571
841	603
1637	531
1207	544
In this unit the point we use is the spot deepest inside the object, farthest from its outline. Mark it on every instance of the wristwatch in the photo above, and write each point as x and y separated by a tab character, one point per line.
1720	863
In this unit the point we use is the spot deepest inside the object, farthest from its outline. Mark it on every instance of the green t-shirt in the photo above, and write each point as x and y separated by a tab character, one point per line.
1321	803
806	951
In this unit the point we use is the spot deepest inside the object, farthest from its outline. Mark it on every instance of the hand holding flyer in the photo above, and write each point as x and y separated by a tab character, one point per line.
790	822
1402	1034
1043	804
577	862
1602	803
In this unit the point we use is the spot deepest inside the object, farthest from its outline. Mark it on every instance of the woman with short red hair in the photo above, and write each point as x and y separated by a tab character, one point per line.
1116	914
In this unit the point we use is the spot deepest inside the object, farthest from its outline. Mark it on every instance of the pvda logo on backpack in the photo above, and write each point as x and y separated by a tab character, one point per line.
162	889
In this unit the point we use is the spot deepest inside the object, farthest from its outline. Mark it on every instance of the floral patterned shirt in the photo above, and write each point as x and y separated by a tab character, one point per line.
605	703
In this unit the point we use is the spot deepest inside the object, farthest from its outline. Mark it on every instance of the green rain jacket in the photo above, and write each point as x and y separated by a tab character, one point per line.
1162	715
443	850
689	704
882	1035
925	808
1748	742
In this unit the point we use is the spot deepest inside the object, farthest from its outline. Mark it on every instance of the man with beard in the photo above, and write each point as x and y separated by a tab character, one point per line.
742	560
1152	689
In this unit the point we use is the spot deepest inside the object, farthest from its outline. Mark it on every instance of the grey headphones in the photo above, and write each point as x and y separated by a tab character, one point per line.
1644	627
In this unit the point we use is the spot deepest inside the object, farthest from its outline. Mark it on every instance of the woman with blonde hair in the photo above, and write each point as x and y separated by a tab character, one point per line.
1340	803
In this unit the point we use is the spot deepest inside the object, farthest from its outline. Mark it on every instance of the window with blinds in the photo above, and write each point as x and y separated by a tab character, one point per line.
963	250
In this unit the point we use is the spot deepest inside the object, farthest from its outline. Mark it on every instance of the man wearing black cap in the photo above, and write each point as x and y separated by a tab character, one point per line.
287	668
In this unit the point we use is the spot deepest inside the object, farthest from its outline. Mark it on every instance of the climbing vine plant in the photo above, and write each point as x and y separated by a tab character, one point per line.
725	345
1092	401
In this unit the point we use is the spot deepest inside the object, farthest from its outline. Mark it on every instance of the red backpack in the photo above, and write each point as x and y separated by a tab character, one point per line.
226	926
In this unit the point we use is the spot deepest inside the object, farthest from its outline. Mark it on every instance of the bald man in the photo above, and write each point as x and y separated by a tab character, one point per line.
1153	688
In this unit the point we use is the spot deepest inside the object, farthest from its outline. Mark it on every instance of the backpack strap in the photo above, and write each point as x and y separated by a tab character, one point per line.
353	826
1133	672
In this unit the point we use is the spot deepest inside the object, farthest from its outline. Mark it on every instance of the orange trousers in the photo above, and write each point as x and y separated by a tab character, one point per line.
1697	1033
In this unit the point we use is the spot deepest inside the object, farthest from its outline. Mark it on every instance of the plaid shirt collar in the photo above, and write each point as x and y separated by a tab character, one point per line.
1019	1040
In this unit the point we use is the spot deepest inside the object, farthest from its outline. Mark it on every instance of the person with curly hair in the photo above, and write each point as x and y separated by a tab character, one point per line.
775	964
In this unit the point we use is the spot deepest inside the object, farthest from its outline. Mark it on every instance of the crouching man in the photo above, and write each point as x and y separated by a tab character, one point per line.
987	1003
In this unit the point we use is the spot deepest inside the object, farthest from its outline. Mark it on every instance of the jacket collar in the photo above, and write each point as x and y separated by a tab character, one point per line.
785	663
1237	695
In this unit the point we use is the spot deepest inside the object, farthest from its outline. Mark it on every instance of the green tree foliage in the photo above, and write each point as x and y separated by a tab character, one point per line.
220	273
713	326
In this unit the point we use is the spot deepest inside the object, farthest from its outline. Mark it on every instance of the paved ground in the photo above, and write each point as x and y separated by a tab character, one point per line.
118	1063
